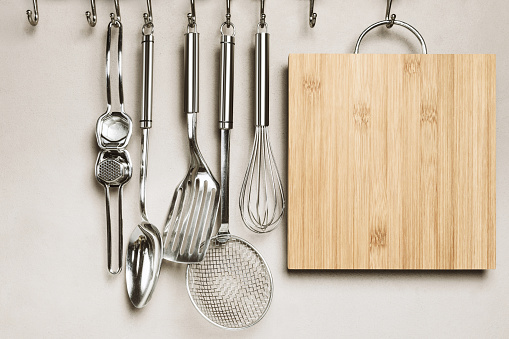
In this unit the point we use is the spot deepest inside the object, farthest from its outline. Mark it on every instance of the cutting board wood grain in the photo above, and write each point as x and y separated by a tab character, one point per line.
391	161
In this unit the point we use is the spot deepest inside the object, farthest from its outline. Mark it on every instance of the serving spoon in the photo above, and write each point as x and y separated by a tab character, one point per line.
144	251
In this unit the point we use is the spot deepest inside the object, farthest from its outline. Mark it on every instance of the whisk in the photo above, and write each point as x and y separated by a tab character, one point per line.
262	200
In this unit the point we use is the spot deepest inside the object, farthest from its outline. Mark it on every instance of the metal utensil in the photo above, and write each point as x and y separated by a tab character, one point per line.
143	263
262	199
232	287
144	251
113	169
113	131
195	203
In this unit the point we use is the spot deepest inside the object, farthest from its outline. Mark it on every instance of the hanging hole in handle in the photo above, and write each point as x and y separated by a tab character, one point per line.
262	28
192	29
230	29
397	23
148	29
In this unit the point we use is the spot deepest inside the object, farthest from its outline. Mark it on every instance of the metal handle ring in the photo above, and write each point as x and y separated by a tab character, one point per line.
395	22
193	29
228	25
148	29
261	26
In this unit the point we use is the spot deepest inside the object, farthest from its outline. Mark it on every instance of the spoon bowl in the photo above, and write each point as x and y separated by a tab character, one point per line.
143	263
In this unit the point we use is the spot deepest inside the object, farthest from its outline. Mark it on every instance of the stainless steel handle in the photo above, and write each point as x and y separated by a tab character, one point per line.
117	24
226	124
148	66
262	79
191	69
227	75
114	266
224	189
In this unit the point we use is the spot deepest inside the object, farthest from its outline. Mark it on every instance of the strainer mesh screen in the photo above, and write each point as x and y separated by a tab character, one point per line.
109	170
232	286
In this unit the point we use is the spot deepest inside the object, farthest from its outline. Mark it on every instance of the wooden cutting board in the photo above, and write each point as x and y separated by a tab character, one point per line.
391	161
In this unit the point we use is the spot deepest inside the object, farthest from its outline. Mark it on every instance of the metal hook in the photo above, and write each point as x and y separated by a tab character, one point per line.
35	18
191	17
148	16
115	17
312	14
92	17
262	14
388	15
228	15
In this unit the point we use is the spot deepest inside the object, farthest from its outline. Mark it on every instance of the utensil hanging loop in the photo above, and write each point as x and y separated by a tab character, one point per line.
398	23
231	25
312	14
92	16
33	19
390	20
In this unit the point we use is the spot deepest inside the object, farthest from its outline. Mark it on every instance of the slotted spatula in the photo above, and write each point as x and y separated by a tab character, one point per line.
195	203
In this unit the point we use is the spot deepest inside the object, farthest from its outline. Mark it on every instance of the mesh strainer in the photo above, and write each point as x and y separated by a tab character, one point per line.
232	287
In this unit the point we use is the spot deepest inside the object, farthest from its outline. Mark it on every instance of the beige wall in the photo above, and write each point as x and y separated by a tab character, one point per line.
53	277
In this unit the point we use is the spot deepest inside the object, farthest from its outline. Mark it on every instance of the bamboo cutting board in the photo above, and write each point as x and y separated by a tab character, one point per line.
391	161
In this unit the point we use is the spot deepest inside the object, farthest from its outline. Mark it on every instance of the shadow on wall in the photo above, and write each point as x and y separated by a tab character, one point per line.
392	274
284	167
